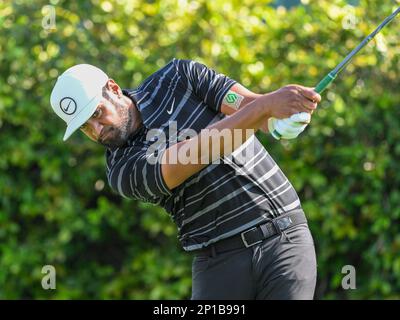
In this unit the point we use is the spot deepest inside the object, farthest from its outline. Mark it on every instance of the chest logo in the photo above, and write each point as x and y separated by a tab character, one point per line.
172	107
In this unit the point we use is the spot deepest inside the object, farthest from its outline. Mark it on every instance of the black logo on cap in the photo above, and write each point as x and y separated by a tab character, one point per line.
68	105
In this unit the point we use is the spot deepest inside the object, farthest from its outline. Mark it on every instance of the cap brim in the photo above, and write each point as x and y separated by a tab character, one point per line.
82	117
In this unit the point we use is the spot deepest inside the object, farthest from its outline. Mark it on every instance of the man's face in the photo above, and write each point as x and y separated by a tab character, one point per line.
114	120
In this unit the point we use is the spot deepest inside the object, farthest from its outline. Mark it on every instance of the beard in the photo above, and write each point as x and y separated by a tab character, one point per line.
117	135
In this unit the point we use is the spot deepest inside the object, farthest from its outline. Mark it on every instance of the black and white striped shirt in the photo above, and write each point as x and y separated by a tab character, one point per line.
224	198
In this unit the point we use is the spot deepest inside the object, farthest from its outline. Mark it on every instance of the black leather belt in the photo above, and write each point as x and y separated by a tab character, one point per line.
257	234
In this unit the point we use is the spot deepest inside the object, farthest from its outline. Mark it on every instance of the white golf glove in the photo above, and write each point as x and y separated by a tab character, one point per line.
288	128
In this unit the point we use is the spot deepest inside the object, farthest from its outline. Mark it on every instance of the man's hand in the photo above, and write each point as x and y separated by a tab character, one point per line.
290	119
292	99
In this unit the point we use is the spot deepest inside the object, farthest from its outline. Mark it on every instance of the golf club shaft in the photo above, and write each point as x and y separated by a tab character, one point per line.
328	79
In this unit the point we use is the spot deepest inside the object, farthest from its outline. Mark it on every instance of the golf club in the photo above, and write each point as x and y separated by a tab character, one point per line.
331	76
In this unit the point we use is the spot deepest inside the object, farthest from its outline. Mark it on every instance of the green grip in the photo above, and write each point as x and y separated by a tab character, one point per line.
276	135
325	82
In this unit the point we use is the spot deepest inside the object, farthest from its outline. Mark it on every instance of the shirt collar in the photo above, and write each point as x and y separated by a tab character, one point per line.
135	97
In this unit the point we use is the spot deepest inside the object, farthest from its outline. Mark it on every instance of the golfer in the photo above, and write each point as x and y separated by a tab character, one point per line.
238	214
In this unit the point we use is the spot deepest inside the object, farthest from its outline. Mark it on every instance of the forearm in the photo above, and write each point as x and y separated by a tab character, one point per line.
246	97
209	146
215	141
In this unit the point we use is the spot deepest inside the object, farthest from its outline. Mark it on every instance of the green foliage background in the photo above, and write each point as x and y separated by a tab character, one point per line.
56	207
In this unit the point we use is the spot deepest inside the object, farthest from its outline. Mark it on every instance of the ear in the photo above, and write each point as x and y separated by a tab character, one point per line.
114	87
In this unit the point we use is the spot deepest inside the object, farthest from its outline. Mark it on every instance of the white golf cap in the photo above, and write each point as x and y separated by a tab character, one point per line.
76	95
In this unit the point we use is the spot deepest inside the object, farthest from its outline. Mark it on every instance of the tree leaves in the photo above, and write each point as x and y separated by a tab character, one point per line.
345	166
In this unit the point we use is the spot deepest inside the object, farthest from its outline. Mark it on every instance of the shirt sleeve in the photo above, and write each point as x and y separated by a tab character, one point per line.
134	173
206	83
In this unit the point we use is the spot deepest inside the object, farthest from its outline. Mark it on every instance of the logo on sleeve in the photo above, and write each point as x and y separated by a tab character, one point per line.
68	105
233	99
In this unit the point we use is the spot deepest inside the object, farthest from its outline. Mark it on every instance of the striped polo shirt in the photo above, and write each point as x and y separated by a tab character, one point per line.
225	198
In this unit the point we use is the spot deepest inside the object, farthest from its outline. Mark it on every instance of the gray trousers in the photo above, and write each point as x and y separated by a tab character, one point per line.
280	268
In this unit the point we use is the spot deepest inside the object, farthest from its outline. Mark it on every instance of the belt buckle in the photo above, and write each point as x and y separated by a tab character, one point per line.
246	244
284	223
